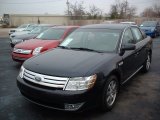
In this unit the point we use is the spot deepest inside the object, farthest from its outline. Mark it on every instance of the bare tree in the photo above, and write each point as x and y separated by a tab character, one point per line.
114	12
153	11
94	12
131	12
156	9
76	10
122	10
148	12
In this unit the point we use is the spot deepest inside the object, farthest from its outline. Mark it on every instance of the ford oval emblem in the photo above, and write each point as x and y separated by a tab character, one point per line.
37	78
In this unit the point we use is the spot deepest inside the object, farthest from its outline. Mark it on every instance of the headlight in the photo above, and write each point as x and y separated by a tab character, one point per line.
81	83
17	40
22	51
21	72
37	50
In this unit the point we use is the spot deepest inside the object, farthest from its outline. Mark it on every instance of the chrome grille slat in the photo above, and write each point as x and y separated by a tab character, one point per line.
54	82
28	75
44	84
50	81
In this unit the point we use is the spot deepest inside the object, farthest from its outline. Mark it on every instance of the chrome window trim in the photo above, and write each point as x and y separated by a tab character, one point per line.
120	45
121	40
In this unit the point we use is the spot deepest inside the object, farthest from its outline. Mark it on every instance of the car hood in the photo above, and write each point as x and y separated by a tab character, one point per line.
147	28
68	63
26	36
34	43
20	33
18	29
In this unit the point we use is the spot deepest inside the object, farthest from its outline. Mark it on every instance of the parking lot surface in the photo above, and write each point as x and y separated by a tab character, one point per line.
139	99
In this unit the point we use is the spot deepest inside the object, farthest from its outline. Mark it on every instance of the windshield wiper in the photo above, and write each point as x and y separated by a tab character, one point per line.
63	47
86	49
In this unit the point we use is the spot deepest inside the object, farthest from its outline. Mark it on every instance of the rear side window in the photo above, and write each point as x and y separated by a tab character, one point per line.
137	34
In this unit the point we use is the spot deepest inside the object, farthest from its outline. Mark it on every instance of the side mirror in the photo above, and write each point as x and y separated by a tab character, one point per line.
128	47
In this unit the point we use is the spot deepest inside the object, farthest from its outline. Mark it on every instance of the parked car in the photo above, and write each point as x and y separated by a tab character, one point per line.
108	22
48	39
20	28
151	28
25	31
15	39
87	69
128	22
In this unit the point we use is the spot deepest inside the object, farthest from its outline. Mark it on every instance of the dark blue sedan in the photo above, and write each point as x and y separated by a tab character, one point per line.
151	28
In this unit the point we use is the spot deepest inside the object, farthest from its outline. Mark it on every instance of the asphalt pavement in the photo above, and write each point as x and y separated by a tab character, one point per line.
139	99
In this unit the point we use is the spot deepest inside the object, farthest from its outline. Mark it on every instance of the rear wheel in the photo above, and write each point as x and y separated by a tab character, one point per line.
109	94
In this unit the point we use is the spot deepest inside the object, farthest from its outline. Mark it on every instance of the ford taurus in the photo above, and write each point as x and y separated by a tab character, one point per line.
87	69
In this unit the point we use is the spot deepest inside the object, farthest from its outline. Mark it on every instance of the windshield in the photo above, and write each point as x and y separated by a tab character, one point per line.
51	34
39	29
23	26
30	28
102	40
148	24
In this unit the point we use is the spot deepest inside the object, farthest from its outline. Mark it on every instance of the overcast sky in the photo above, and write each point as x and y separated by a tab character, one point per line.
59	6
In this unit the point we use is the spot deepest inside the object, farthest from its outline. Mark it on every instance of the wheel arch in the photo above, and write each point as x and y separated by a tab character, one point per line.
117	73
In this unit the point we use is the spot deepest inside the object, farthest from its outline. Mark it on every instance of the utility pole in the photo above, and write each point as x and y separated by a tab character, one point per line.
67	6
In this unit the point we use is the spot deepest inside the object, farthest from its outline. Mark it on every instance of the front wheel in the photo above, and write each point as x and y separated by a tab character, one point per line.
147	64
109	94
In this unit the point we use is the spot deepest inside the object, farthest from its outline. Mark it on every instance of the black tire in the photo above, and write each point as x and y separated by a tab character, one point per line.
105	104
147	64
154	35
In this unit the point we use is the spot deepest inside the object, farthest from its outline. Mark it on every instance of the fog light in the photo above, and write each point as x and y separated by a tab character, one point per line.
73	107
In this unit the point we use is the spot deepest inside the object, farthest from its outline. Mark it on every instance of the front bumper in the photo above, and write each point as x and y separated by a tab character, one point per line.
57	98
20	57
11	33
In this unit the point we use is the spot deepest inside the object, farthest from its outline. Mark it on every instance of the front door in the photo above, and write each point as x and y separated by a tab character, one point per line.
128	66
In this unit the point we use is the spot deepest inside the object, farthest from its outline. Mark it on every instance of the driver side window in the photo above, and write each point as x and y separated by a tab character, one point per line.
128	37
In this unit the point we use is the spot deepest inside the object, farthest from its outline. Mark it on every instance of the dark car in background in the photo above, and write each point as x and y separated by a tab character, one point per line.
15	39
46	40
151	28
87	69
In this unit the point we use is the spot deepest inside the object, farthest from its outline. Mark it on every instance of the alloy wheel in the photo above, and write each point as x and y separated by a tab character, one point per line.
111	93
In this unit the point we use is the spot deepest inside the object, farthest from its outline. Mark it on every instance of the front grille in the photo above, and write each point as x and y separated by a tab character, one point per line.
12	30
12	36
45	80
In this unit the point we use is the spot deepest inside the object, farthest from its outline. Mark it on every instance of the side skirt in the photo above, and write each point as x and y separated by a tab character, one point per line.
132	75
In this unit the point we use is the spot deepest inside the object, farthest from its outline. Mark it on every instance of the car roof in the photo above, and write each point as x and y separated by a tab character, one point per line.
46	25
108	26
151	21
66	27
127	22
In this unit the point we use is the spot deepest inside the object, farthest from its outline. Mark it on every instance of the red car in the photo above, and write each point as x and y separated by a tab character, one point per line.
48	39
